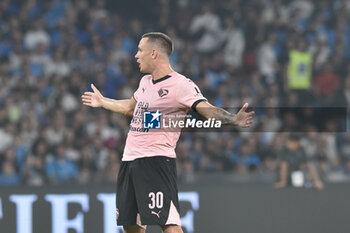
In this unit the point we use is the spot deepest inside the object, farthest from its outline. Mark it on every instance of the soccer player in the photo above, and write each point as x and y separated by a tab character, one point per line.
146	188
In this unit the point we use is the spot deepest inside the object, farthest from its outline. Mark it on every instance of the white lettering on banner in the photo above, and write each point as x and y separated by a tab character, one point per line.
24	214
108	200
188	220
60	221
60	202
109	213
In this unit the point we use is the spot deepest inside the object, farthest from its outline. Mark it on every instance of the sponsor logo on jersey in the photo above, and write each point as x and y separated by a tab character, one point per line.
156	214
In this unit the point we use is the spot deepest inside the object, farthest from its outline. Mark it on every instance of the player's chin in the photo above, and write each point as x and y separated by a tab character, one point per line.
143	70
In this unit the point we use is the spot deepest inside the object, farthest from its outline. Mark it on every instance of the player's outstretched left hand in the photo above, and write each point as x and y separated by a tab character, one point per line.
244	119
93	99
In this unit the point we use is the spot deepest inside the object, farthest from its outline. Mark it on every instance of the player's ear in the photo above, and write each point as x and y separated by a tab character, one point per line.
154	54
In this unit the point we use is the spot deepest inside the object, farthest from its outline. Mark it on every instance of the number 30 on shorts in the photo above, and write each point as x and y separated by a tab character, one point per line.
156	200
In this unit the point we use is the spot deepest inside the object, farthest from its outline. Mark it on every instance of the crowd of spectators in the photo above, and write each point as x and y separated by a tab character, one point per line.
236	51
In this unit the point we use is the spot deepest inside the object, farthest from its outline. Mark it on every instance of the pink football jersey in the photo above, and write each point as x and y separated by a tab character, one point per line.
173	94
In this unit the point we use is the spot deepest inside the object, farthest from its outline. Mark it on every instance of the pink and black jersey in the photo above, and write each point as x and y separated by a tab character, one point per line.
174	94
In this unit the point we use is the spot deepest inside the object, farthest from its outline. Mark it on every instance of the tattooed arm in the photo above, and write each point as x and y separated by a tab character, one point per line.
242	118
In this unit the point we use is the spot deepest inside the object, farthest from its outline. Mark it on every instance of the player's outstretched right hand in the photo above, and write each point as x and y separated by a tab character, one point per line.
92	99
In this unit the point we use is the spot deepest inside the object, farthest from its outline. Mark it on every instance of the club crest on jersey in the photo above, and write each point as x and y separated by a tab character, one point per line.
162	92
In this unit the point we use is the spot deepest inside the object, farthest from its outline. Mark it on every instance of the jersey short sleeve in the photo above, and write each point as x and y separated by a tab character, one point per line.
188	94
138	91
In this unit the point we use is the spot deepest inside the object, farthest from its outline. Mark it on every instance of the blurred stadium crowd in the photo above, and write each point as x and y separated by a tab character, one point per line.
269	53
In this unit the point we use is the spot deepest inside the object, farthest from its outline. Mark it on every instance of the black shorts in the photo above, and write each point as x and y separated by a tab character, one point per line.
147	192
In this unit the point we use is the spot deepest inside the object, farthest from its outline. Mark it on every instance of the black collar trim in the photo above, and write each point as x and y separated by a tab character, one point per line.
161	79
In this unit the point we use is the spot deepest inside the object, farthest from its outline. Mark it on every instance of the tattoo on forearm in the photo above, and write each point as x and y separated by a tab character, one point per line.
224	116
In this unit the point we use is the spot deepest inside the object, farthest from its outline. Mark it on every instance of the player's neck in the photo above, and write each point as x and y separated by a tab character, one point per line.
161	71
